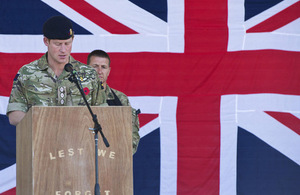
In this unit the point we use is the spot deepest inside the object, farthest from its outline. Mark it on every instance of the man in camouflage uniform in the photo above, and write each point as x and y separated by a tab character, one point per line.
100	60
44	82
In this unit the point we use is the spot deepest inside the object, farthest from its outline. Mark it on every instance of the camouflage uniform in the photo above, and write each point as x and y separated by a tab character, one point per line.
135	119
37	85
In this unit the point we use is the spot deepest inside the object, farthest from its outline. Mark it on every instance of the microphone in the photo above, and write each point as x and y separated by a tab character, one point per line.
69	68
74	75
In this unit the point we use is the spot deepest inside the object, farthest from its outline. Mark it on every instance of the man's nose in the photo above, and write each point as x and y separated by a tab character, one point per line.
99	70
63	48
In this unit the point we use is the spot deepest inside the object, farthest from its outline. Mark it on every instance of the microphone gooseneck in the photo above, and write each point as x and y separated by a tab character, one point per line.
73	78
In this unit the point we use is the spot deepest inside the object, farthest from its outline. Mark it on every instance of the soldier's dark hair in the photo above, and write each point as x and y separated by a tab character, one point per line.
98	53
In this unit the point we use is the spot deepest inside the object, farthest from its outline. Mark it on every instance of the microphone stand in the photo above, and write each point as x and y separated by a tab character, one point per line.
97	128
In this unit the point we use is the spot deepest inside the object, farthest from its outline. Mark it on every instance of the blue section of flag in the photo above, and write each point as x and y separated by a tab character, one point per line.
146	165
7	143
159	8
261	169
28	17
254	7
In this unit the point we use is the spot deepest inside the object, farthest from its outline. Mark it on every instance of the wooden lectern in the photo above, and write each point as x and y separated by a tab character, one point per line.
56	151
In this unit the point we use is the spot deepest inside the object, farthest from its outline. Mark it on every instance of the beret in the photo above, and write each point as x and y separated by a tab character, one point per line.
58	27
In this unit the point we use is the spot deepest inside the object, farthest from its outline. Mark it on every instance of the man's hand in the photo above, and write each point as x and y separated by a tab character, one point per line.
15	117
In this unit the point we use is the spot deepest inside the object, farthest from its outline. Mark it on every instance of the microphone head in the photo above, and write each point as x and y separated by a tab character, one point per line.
68	67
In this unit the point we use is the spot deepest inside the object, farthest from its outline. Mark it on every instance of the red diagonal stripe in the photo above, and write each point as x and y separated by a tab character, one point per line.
98	17
146	118
278	20
287	119
10	192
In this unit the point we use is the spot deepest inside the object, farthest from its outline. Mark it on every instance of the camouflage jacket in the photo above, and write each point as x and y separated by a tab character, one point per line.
36	85
135	119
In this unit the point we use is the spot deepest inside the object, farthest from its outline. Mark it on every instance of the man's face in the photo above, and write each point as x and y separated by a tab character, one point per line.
58	50
102	67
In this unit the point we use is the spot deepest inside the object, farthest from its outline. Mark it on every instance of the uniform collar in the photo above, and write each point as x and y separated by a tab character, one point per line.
43	63
108	92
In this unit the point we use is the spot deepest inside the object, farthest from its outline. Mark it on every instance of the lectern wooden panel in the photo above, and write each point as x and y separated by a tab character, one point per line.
56	151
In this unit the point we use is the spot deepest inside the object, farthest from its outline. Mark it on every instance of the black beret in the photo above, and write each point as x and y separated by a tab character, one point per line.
58	27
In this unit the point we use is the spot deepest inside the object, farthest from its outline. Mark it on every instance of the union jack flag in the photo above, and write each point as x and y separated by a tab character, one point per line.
217	83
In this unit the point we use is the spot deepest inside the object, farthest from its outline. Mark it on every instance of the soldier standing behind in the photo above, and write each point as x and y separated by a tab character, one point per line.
44	82
100	60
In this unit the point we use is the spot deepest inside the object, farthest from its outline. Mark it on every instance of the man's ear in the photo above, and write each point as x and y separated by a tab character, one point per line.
46	41
109	70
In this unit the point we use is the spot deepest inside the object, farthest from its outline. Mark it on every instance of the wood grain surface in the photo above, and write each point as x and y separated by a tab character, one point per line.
56	151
